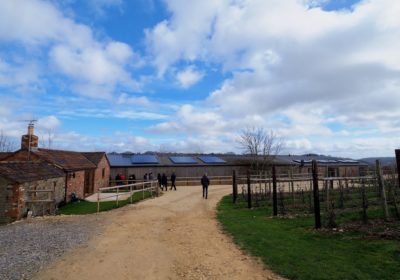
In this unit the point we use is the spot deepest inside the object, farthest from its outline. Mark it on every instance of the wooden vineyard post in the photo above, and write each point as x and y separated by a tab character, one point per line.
234	186
364	202
382	189
341	196
292	185
317	211
274	194
248	190
397	151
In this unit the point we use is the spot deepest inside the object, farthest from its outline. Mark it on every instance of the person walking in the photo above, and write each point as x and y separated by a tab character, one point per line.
164	181
205	182
118	180
132	179
173	179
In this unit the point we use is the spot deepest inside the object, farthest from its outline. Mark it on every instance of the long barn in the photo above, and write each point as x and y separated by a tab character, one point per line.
195	165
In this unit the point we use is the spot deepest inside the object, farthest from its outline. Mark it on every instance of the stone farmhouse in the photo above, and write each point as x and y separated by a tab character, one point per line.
84	173
29	186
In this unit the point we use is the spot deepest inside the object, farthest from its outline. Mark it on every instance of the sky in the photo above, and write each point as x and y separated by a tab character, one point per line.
189	76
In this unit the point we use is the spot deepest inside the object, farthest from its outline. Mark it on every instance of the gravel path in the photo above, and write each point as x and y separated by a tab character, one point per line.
28	246
175	236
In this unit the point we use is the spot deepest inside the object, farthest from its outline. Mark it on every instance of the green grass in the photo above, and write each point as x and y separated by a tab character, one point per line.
292	248
85	207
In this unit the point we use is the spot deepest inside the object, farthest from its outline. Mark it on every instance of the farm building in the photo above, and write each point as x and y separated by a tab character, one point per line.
102	171
195	165
84	172
29	186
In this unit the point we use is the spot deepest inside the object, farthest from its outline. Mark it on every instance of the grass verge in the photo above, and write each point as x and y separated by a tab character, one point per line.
293	249
85	207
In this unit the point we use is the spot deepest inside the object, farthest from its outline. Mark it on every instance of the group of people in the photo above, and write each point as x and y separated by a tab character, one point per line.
120	179
163	181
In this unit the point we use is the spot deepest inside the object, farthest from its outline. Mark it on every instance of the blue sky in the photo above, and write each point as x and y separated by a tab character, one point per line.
188	76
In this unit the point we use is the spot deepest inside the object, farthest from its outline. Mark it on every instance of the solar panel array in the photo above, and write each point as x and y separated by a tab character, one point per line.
211	159
119	159
326	161
145	159
183	160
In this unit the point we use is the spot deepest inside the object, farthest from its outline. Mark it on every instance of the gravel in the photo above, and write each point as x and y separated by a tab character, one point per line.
28	246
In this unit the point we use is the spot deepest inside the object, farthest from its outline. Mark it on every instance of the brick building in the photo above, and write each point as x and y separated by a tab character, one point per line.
84	172
101	174
29	186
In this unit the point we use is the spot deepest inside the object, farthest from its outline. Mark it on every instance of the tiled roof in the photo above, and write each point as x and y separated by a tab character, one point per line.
66	160
3	155
27	171
94	157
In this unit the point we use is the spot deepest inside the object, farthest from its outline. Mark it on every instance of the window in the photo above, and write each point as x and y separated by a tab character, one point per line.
103	173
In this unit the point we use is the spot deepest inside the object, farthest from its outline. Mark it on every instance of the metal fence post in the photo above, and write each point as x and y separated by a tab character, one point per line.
274	194
317	212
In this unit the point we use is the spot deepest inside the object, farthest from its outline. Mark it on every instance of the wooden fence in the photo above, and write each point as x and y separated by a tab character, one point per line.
123	192
327	198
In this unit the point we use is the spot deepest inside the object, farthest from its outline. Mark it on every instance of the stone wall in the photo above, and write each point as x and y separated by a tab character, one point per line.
8	201
15	198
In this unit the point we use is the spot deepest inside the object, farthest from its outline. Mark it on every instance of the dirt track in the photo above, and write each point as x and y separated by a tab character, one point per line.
172	237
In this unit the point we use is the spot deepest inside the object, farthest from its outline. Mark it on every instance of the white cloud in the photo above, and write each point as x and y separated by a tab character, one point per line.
188	77
294	60
137	101
99	6
48	123
89	62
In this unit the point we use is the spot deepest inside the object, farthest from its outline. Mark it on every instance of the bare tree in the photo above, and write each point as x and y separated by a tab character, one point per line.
261	145
46	140
6	145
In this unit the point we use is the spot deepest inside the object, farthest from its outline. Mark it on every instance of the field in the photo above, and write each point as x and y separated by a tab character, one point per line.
291	247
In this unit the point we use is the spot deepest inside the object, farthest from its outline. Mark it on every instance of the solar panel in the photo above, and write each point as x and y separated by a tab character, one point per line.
327	161
144	159
119	160
182	159
304	161
348	161
211	159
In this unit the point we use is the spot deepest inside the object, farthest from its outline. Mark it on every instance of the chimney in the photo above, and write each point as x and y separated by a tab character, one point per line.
29	141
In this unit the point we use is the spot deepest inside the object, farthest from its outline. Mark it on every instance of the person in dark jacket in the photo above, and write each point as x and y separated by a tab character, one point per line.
118	181
205	182
173	179
132	179
164	181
